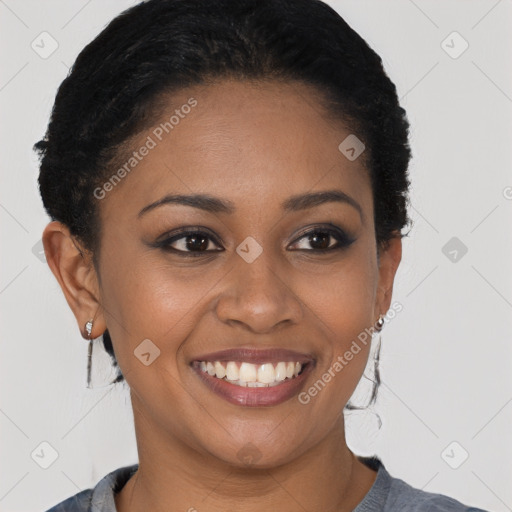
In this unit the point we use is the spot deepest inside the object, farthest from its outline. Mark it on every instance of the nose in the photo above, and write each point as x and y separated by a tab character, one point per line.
259	296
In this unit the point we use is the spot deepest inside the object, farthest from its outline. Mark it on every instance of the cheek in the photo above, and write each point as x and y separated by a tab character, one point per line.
343	297
146	299
341	303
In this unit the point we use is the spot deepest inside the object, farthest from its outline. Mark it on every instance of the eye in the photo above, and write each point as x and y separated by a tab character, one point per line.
189	242
324	239
197	242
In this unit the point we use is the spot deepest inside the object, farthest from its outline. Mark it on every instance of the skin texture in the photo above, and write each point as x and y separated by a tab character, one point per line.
255	144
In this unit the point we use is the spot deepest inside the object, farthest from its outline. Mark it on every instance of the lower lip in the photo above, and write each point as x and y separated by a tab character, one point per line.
254	397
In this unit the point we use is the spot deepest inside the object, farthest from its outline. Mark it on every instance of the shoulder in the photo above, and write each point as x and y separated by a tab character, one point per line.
404	497
99	498
391	494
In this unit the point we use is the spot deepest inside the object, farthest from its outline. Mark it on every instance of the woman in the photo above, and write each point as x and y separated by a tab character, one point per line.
227	183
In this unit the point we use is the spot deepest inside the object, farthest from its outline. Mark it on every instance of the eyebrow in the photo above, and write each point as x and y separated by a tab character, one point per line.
295	203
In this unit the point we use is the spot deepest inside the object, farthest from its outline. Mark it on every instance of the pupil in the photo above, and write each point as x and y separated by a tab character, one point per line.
203	244
324	240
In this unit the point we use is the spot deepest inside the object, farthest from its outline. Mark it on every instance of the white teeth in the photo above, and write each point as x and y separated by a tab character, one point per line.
210	368
232	371
280	373
266	373
220	371
252	375
256	385
248	372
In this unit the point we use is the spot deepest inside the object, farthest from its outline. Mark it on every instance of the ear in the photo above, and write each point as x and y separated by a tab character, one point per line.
72	265
390	255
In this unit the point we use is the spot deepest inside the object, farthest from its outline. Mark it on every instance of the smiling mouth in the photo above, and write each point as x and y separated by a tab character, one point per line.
254	377
245	374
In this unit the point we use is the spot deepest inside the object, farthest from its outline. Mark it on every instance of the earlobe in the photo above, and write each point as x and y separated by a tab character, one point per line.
72	266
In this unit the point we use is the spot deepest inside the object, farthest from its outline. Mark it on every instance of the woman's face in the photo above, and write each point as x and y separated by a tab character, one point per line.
250	281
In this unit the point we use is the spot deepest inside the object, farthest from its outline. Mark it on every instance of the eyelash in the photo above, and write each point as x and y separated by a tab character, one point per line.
343	241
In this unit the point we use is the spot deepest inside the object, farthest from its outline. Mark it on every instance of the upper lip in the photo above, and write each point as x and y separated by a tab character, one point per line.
256	356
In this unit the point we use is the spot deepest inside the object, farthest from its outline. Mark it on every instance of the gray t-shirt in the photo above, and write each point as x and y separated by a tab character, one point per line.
387	494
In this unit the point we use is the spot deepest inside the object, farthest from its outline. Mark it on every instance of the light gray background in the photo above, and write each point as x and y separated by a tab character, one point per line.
446	358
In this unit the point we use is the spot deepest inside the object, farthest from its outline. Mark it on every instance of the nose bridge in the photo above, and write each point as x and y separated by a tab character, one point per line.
257	293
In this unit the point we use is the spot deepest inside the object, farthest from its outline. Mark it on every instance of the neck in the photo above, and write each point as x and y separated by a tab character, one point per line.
327	477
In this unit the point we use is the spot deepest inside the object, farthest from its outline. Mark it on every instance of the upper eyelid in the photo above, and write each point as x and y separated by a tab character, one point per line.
187	232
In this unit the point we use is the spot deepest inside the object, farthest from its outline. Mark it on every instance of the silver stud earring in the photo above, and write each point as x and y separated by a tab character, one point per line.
380	323
88	328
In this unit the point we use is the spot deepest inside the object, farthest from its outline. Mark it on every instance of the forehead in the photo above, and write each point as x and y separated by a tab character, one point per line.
256	143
